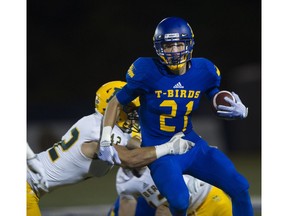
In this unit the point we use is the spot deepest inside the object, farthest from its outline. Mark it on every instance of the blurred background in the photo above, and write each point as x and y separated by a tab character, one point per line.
73	47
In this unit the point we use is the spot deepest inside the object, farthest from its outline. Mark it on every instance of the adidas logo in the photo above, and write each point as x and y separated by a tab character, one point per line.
178	85
145	185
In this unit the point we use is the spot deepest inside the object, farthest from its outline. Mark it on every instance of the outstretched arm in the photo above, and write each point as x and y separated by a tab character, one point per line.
130	158
140	157
111	114
106	151
136	157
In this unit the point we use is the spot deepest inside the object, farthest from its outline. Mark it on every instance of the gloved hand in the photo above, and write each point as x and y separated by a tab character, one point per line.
108	153
177	145
37	167
236	111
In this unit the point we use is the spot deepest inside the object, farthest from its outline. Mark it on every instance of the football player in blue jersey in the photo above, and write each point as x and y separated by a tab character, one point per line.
170	88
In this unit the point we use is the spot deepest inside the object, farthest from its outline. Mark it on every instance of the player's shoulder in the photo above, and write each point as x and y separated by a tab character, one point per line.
89	124
90	119
143	61
202	62
141	68
206	65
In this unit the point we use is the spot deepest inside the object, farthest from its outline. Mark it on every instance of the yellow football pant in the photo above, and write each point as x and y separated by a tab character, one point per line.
32	202
217	203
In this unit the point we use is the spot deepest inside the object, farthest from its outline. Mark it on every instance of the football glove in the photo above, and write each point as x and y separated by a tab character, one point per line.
176	145
37	167
237	110
108	153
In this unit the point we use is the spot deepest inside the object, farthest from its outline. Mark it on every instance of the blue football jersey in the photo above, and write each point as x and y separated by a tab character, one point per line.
167	100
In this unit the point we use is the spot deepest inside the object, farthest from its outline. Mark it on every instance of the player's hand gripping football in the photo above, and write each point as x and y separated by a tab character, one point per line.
36	166
108	153
177	145
237	110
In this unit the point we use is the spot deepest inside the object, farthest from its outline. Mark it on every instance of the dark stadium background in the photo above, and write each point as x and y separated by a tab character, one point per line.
73	47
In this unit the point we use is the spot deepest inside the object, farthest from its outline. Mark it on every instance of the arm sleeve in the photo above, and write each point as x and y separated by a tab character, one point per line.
211	92
214	80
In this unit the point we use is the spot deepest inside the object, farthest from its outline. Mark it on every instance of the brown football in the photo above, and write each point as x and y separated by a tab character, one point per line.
219	98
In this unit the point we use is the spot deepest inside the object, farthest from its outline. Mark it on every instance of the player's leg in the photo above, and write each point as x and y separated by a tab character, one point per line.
211	165
216	203
114	209
167	175
143	208
32	202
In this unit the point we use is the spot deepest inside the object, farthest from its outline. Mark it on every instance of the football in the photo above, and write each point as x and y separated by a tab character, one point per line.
219	98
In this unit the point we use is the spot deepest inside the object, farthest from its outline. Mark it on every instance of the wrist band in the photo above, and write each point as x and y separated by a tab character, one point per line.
161	150
106	133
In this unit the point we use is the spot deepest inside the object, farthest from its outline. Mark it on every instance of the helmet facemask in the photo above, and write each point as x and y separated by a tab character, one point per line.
128	119
174	60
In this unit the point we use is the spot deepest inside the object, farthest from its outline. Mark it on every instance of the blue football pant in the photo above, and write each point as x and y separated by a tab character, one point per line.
206	163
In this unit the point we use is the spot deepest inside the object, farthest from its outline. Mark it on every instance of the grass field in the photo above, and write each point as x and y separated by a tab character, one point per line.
102	192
